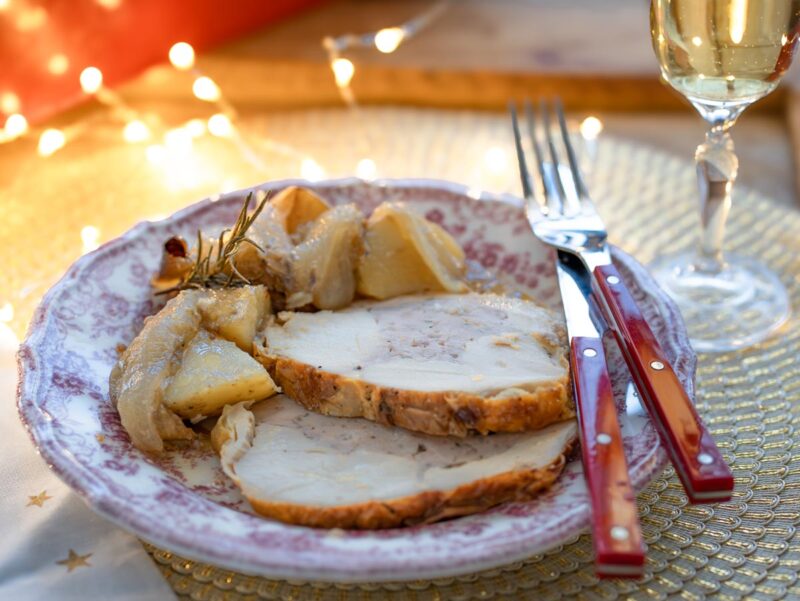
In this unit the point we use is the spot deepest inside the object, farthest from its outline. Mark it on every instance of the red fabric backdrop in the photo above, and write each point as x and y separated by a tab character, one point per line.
120	37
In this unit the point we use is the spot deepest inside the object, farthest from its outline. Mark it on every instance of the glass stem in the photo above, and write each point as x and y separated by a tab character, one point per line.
717	166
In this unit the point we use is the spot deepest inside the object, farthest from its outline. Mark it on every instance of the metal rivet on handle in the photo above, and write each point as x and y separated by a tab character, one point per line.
589	352
705	459
603	438
657	365
620	533
612	279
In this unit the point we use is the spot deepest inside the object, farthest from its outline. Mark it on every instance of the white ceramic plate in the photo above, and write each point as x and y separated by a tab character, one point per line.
182	501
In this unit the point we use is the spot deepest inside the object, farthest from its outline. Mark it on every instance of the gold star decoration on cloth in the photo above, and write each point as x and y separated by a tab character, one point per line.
39	499
75	561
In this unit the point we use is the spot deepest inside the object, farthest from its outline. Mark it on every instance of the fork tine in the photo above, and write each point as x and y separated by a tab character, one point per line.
548	170
524	174
552	195
554	159
580	186
537	150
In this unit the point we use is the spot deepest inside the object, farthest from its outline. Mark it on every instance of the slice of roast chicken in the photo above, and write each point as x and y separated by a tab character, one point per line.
305	468
447	364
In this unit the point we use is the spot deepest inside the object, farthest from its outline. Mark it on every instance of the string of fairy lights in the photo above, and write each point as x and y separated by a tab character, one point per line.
385	40
170	147
138	128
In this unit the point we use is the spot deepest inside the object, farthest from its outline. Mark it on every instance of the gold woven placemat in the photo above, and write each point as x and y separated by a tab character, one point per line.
747	548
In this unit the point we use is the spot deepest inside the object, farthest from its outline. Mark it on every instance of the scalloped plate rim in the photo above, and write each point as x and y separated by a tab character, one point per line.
80	479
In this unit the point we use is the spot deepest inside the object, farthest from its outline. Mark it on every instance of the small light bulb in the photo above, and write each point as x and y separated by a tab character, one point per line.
9	103
155	153
220	125
784	40
136	131
7	312
228	185
495	159
591	128
109	4
178	141
204	88
311	170
196	127
366	169
51	141
387	40
697	41
16	125
91	80
181	55
58	64
343	71
29	18
90	237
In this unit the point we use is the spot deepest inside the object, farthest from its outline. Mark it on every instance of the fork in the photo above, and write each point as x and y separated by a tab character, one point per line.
568	220
616	532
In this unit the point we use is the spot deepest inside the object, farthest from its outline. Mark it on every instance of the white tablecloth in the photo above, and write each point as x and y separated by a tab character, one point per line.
53	546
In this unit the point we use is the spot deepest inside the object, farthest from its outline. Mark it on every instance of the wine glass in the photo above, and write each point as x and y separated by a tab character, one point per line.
722	55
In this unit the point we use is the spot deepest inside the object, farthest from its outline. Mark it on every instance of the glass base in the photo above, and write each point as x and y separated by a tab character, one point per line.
737	307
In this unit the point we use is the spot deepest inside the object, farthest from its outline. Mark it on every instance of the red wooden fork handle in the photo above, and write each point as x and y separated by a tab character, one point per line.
616	533
698	461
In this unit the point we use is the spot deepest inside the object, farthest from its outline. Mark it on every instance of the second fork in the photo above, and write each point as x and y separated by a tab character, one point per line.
568	220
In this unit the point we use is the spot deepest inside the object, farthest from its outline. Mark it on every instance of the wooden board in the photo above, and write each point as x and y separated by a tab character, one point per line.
478	54
793	127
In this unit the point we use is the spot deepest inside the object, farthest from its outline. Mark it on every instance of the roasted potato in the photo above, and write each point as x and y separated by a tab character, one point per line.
137	380
213	373
405	254
294	206
236	314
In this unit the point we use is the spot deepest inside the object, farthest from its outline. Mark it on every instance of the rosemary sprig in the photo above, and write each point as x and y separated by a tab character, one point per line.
220	271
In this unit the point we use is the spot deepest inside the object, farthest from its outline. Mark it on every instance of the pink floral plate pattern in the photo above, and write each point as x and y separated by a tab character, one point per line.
181	501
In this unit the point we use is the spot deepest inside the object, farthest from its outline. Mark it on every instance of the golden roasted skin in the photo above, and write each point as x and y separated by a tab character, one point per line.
425	508
436	413
176	262
268	263
147	368
233	434
324	263
236	314
138	379
239	432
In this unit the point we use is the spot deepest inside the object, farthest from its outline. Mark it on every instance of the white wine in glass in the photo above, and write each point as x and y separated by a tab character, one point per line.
723	55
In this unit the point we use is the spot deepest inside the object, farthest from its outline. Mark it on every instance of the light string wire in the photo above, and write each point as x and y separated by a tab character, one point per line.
140	127
385	40
176	142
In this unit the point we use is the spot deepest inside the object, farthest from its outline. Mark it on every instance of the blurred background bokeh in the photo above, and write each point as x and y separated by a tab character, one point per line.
114	111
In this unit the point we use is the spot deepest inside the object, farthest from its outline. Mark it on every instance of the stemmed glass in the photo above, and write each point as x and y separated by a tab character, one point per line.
722	55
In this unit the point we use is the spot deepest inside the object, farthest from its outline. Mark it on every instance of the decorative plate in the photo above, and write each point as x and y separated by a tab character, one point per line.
181	501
